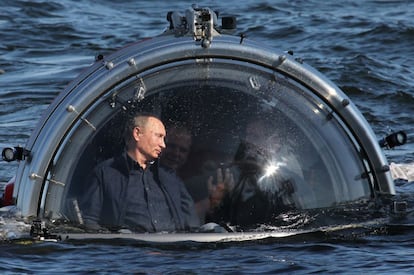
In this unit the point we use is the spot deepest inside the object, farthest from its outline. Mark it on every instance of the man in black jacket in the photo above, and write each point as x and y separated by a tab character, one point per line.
132	191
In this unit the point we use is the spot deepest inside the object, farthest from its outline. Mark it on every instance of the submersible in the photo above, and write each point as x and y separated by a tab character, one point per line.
200	72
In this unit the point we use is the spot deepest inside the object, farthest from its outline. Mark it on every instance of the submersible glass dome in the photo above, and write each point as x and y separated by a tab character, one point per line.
218	85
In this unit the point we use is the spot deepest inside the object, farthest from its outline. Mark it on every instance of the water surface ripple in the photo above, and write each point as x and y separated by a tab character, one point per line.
365	47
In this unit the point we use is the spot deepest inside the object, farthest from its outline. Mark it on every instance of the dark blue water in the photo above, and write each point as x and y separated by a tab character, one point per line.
365	47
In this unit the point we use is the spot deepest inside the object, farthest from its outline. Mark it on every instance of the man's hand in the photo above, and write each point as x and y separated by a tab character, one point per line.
224	184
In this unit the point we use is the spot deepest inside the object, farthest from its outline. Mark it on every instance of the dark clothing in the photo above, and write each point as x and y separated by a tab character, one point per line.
123	195
256	198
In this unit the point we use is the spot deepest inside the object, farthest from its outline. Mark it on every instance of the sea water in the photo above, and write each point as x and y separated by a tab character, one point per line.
365	47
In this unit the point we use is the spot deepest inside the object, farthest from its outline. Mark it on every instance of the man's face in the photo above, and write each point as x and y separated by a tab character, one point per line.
258	134
151	139
178	147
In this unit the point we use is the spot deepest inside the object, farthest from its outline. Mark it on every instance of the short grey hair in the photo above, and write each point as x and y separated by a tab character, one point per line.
137	120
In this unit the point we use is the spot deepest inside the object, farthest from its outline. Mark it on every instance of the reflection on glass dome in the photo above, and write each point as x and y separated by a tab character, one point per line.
250	135
266	152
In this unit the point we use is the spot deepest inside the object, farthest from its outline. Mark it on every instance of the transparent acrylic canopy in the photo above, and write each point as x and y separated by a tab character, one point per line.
289	138
242	117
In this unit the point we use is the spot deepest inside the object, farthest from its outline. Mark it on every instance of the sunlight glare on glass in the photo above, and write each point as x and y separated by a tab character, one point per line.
271	169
